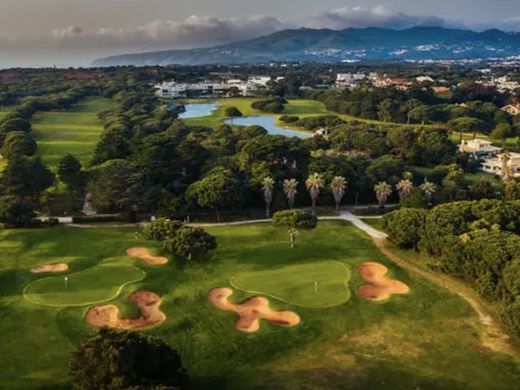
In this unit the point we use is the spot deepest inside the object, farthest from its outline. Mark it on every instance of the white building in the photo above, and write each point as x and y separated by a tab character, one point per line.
495	165
513	109
479	148
174	90
490	157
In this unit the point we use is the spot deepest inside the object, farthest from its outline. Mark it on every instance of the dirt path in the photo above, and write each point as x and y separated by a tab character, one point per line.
493	337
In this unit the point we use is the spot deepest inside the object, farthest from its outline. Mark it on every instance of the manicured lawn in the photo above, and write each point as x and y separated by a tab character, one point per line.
74	131
89	286
316	285
426	339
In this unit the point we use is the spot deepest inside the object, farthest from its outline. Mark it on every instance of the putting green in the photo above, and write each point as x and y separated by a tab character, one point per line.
91	286
316	285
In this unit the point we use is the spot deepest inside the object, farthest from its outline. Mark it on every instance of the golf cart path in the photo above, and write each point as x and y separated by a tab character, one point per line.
492	336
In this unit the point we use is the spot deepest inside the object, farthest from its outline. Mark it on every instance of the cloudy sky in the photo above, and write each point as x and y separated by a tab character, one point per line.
74	32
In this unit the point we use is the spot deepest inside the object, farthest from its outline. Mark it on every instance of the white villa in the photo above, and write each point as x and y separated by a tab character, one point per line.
495	165
490	157
479	148
512	109
173	90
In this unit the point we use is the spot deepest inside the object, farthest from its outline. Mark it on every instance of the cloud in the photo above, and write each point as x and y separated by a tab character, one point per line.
193	31
378	16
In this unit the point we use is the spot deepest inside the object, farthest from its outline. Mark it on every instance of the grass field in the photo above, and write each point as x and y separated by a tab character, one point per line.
428	339
89	286
74	131
315	285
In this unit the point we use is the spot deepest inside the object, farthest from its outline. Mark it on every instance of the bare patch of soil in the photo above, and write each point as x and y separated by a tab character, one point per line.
144	255
54	267
251	311
108	315
379	286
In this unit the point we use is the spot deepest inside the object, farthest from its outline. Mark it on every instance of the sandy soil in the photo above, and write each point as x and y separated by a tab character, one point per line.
108	315
251	311
55	267
144	255
379	287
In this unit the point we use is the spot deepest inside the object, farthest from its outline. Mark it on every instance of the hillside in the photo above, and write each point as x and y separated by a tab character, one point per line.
368	44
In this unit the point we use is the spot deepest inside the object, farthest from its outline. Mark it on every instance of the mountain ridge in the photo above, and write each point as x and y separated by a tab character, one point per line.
351	44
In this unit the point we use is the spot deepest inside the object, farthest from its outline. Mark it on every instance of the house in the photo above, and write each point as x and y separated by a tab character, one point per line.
495	165
513	109
479	148
321	132
440	89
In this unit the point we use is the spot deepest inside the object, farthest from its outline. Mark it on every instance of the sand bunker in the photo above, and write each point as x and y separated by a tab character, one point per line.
252	311
144	255
380	287
55	267
108	315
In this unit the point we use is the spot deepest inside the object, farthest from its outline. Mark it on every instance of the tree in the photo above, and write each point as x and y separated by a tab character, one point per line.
218	189
290	189
15	210
69	172
267	190
404	188
429	189
18	143
314	183
232	112
383	191
114	360
507	171
502	131
26	177
188	242
404	226
293	221
161	229
338	186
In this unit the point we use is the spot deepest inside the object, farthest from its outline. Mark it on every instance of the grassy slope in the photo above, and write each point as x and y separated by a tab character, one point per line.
74	131
427	339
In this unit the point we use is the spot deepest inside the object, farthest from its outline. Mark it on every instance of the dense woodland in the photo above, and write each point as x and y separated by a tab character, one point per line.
476	240
149	163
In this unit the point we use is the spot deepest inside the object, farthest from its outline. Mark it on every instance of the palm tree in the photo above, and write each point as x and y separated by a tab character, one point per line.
314	183
267	189
290	189
429	189
383	191
404	188
338	186
507	172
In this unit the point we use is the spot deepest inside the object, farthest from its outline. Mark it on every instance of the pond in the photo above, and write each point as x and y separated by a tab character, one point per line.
268	123
197	110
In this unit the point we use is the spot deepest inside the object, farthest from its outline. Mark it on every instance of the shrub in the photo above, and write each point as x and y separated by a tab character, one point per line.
289	118
404	226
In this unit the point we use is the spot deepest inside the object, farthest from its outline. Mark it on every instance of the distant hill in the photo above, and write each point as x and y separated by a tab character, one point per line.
366	44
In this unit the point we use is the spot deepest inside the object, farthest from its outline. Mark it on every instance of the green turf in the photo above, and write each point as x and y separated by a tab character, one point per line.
75	131
97	284
428	339
315	285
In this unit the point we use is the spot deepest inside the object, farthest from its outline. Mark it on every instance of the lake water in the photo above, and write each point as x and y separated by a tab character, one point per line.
198	110
268	123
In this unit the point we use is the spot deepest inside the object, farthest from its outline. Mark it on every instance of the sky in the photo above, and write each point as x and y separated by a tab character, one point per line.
75	32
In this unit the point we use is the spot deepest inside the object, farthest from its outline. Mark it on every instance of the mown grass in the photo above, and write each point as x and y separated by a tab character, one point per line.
426	339
315	285
75	131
